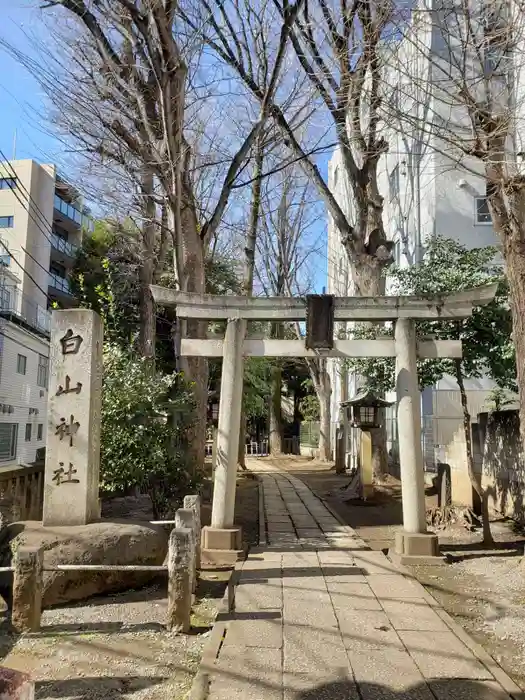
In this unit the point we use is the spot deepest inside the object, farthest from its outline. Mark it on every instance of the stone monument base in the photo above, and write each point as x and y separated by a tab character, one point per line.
416	548
221	546
15	685
104	542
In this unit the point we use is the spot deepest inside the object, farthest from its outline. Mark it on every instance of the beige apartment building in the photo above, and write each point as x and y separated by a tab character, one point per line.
42	221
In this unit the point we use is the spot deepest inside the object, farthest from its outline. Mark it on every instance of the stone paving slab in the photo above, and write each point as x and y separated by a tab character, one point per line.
413	614
442	655
247	674
388	675
323	616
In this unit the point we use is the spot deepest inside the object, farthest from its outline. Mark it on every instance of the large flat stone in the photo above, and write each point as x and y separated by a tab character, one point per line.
376	563
443	655
413	614
259	596
246	674
104	542
320	684
395	586
388	674
460	689
353	596
255	632
362	631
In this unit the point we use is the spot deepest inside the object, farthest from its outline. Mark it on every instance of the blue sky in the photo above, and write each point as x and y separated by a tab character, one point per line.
24	131
21	98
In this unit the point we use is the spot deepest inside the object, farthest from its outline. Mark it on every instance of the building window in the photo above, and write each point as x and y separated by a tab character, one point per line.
8	439
7	183
41	375
336	176
482	211
393	183
7	221
39	431
21	364
28	432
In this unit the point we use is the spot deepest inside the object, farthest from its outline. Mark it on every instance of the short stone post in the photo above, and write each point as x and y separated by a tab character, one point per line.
194	502
27	589
15	685
185	518
179	580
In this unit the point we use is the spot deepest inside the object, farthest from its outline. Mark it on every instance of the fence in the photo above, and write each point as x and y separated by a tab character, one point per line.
22	492
182	564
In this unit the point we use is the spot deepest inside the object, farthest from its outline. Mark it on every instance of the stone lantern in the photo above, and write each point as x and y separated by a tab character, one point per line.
363	411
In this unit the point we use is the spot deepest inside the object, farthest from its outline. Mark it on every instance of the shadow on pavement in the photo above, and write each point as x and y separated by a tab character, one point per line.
440	689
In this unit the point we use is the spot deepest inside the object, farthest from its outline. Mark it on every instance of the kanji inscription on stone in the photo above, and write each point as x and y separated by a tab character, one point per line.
71	343
67	388
61	476
69	429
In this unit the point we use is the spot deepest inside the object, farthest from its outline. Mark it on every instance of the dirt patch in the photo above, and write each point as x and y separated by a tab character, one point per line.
116	647
483	590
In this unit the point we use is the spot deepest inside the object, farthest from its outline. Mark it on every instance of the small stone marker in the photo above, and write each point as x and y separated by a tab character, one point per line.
185	518
71	482
15	685
27	589
179	580
194	502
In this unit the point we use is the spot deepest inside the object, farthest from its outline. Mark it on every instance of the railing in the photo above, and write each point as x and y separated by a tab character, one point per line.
12	301
22	493
182	564
60	283
74	214
63	246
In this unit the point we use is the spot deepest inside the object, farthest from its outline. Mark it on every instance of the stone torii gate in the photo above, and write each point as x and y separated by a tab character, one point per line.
222	540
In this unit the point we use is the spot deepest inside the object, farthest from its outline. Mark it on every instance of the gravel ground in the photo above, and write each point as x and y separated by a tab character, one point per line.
116	647
112	647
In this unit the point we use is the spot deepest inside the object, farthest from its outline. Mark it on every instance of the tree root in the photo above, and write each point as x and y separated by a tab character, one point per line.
441	517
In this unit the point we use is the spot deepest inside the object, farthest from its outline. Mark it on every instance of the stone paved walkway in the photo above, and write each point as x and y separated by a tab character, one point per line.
318	615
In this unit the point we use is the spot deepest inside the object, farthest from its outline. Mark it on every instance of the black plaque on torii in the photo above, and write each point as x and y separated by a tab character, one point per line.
319	321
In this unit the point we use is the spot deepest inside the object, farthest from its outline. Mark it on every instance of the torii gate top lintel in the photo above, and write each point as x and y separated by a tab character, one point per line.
380	308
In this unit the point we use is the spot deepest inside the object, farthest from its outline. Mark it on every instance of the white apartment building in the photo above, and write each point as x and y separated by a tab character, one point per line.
427	192
41	227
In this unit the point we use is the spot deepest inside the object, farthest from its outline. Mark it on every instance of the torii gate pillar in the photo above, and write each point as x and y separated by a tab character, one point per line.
222	542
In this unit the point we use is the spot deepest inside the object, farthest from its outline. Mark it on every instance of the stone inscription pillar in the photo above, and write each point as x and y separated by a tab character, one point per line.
71	481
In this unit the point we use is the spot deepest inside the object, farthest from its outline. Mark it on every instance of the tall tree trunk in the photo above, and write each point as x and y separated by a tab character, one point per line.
514	252
147	327
475	479
249	259
190	254
370	281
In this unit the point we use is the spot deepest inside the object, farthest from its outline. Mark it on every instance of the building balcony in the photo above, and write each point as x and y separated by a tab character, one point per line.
61	284
65	248
17	307
68	214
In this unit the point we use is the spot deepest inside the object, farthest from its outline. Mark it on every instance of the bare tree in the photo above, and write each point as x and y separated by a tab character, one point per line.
339	48
127	53
288	243
457	88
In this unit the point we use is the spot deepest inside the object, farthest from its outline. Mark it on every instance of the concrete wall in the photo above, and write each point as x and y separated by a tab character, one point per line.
503	462
21	391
